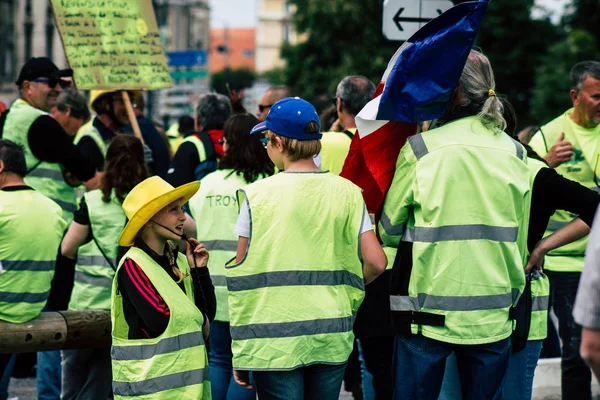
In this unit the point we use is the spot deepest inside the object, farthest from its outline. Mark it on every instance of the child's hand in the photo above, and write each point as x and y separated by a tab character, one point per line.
196	253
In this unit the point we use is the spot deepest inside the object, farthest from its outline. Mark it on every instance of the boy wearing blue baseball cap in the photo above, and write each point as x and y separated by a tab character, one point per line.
306	249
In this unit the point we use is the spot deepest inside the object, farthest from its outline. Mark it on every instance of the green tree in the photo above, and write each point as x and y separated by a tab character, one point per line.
238	79
516	44
342	38
552	86
585	15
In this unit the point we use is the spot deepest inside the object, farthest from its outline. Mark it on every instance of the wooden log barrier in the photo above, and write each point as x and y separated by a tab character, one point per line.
57	331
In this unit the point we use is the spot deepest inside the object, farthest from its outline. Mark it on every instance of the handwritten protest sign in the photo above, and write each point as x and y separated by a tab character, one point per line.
112	44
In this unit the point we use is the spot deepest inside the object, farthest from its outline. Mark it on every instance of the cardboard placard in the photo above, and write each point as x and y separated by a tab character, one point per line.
112	44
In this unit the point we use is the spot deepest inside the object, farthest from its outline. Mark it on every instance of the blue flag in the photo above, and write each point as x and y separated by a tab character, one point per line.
430	64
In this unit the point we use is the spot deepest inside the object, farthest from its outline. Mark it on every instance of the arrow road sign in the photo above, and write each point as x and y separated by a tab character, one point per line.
403	18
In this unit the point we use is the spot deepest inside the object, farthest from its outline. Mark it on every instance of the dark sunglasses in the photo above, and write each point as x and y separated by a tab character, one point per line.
222	140
52	82
263	107
264	141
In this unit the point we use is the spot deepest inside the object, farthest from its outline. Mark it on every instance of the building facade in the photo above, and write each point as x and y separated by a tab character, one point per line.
232	48
274	28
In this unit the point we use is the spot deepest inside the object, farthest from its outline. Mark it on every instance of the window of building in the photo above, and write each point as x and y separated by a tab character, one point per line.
7	40
247	53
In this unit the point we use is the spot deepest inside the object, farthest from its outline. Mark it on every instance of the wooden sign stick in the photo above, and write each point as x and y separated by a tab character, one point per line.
131	115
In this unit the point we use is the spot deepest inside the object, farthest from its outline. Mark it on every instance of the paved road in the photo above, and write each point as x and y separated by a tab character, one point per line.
24	389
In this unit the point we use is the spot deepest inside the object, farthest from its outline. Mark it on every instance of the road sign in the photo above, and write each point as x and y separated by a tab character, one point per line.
194	58
403	18
188	74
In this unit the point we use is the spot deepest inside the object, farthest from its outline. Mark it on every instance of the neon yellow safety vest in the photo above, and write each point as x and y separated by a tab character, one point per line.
540	292
469	232
94	273
45	177
334	150
215	209
580	168
31	227
199	146
90	130
540	284
174	365
294	296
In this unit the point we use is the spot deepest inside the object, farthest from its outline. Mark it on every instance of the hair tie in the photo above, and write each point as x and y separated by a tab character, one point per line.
491	93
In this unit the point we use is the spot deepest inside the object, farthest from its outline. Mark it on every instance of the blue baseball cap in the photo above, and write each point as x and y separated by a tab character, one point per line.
289	117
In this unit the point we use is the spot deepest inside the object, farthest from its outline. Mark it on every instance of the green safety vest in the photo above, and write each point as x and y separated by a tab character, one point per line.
540	284
196	141
31	227
43	176
88	129
294	296
334	150
469	232
580	169
93	272
540	292
215	209
174	365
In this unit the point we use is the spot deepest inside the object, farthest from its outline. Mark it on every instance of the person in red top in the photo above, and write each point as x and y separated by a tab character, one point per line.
188	163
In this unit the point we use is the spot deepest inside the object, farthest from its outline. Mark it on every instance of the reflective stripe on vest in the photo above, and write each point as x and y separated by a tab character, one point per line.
172	366
293	299
49	181
540	293
31	229
461	232
23	297
469	244
295	278
93	272
453	303
215	204
160	384
27	265
168	345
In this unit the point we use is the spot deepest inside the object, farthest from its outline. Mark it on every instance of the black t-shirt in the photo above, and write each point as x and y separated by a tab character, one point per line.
90	150
145	311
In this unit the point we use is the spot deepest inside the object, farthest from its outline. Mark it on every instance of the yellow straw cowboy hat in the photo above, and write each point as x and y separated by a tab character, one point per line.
146	199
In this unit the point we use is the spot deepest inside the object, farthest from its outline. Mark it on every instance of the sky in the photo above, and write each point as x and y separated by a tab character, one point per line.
242	13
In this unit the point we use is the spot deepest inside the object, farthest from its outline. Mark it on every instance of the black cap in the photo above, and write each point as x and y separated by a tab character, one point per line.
41	67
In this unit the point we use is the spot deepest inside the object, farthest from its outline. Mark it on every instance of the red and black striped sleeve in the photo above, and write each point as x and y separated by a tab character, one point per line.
138	291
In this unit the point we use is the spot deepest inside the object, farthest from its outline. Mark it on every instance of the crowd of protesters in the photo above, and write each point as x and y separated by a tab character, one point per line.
236	262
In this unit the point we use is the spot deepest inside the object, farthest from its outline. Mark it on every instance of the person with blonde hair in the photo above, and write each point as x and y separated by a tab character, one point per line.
457	212
306	248
162	301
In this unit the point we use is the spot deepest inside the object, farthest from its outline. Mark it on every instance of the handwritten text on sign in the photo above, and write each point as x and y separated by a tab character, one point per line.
112	44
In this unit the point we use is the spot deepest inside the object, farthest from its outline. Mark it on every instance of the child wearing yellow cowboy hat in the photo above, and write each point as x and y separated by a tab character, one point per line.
161	300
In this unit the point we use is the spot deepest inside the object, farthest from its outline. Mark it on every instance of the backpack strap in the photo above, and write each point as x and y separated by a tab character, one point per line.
209	146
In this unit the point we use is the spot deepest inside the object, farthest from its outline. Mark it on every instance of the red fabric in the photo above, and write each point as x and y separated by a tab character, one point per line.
371	160
145	287
216	136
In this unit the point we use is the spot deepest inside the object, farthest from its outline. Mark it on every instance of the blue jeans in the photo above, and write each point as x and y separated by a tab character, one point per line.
367	379
521	368
318	381
49	374
223	386
576	376
8	361
419	365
